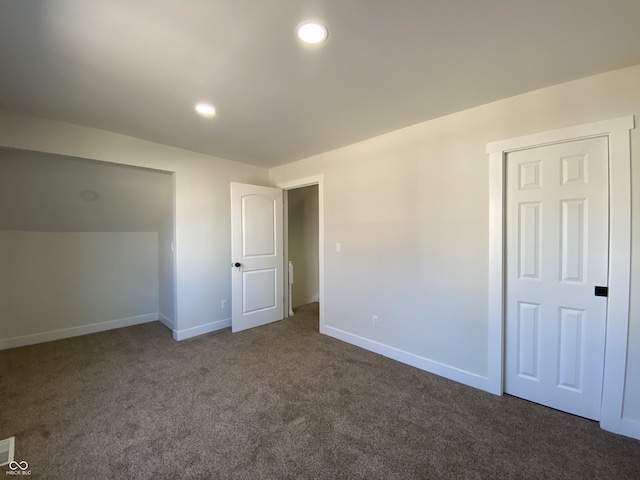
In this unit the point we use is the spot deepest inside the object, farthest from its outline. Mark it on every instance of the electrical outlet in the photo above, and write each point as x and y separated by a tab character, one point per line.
374	320
223	304
338	248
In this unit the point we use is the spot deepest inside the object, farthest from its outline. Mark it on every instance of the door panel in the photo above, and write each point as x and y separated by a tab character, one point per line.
256	245
529	240
573	240
258	226
528	340
259	290
570	358
557	229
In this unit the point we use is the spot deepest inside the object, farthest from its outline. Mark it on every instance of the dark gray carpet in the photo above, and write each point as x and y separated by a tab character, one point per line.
280	401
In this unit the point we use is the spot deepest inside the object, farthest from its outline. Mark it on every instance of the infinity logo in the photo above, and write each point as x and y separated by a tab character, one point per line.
18	465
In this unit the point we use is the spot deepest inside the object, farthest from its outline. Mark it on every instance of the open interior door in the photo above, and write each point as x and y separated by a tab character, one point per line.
256	255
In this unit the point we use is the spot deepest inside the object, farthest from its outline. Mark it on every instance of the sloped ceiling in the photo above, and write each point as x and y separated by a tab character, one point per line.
42	192
138	66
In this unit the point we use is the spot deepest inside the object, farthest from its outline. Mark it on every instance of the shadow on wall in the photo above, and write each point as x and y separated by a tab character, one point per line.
84	246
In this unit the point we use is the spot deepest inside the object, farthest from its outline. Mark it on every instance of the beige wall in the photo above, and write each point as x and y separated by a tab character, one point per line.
302	207
202	205
52	281
410	209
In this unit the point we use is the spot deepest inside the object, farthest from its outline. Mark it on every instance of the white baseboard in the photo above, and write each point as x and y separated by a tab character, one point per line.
23	340
630	428
166	321
201	329
431	366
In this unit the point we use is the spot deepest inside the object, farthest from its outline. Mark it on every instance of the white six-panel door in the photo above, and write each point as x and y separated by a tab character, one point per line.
557	230
256	247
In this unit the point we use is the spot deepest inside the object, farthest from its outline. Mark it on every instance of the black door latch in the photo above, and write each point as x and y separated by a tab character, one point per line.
601	291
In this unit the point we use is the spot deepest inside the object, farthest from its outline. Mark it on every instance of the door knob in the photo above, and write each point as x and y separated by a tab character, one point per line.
237	264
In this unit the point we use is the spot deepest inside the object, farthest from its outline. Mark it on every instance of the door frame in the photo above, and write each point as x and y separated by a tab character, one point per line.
617	133
290	185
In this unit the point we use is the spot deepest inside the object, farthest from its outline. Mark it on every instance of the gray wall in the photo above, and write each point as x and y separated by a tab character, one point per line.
59	284
302	207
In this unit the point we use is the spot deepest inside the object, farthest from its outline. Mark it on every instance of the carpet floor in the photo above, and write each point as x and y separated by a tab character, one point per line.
276	402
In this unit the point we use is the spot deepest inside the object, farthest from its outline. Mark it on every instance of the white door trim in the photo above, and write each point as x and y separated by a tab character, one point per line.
305	182
617	132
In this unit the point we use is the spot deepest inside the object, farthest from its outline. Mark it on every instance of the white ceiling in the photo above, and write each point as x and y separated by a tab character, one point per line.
41	192
138	66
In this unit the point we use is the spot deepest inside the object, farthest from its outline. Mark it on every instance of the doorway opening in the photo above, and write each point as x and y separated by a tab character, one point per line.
304	245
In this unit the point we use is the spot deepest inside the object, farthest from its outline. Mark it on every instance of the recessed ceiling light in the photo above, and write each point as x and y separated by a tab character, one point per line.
205	109
312	32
